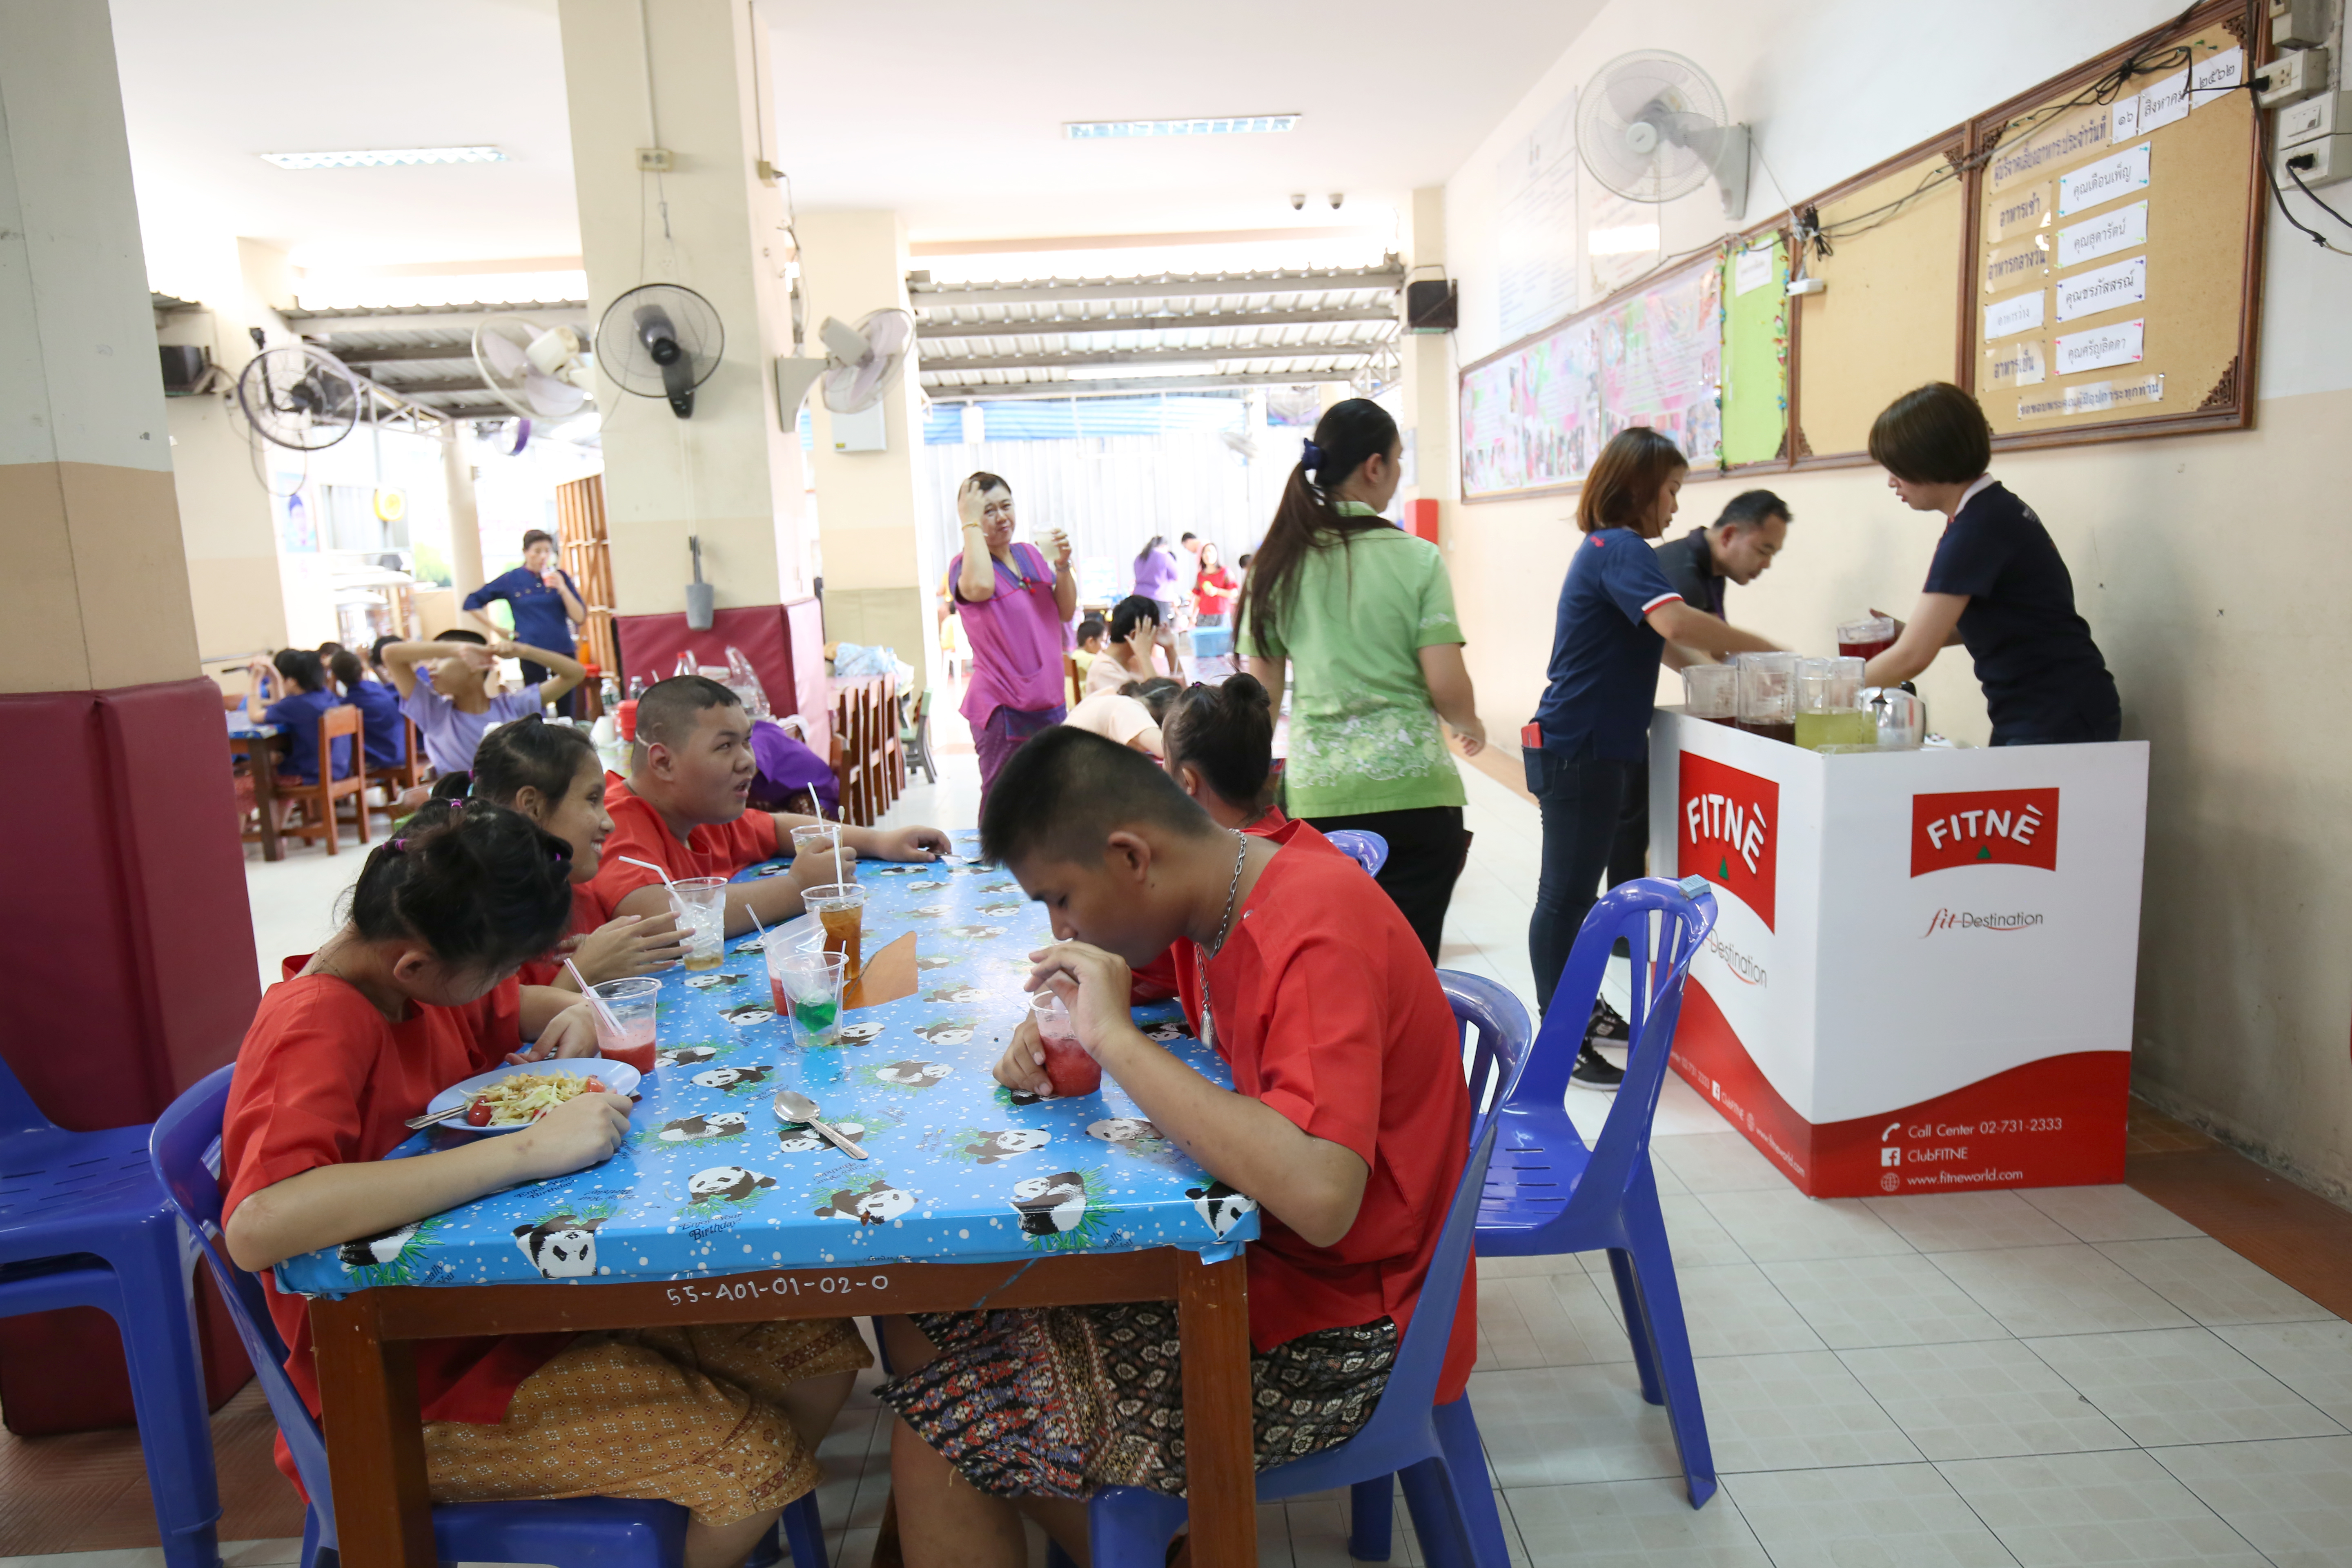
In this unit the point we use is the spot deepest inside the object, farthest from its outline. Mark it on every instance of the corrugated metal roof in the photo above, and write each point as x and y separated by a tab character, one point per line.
426	352
1171	332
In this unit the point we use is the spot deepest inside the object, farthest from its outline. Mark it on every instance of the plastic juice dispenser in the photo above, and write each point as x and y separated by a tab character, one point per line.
1829	705
1767	695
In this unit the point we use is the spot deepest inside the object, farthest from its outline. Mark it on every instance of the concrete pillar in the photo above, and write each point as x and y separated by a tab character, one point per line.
1429	376
879	567
680	74
96	594
464	517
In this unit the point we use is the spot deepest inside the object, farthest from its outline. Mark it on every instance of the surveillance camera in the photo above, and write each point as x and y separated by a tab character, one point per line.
1337	197
1298	202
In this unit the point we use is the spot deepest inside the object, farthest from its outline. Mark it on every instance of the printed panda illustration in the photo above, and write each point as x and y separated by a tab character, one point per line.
996	1146
1007	908
685	1057
708	981
562	1247
749	1014
971	933
1219	1206
925	887
1007	886
944	1035
878	1203
1049	1206
930	911
806	1139
1172	1029
956	995
863	1033
1122	1130
915	1075
731	1184
718	1124
373	1251
732	1078
934	959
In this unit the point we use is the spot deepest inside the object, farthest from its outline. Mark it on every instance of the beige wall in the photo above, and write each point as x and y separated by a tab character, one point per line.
2208	566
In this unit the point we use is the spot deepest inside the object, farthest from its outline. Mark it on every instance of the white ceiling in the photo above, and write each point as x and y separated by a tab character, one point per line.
946	110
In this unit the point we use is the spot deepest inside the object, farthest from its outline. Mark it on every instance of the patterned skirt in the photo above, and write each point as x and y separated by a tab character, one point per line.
1059	1401
689	1416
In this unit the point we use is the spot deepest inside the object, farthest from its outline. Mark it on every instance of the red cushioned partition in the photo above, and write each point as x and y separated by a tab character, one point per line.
786	644
128	964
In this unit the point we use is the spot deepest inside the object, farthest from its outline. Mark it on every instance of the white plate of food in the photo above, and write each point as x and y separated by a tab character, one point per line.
518	1095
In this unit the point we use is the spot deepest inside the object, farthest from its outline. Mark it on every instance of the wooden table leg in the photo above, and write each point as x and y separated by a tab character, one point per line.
375	1437
1221	1472
261	767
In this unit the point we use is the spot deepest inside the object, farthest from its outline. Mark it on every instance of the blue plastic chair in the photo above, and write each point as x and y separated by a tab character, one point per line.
1546	1193
1369	850
579	1532
83	1224
1435	1447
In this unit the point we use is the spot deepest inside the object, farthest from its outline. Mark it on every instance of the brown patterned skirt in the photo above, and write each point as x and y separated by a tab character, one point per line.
1059	1401
689	1416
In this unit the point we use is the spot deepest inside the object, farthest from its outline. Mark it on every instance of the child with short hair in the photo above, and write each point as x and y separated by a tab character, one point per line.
1089	636
297	680
415	992
381	723
1347	1122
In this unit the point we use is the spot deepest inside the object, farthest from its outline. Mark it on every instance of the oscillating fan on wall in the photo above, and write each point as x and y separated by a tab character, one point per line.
299	396
863	361
660	340
1651	126
537	371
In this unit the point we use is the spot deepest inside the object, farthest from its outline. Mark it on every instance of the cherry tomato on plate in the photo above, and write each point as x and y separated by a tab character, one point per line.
479	1113
595	1086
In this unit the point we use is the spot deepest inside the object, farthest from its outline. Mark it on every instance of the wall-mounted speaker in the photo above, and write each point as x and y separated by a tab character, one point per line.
1433	305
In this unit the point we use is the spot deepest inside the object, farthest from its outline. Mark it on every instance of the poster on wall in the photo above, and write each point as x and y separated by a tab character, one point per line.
1535	416
1535	187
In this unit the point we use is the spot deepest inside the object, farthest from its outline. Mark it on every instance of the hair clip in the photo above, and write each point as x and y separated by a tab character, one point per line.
1310	455
398	845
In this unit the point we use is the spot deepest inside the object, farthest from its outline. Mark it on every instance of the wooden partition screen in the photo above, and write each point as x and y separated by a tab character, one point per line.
588	557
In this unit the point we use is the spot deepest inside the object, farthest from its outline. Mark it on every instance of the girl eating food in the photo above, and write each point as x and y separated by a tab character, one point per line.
417	991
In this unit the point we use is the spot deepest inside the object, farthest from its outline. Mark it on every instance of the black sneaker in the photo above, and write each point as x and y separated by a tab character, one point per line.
1607	1026
1593	1071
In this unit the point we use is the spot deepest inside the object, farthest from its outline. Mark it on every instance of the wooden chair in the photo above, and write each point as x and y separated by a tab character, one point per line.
1077	677
848	758
319	801
894	746
413	771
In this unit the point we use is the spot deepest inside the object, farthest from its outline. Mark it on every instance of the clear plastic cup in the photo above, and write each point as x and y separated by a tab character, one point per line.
840	908
1072	1070
700	903
1711	691
635	1005
807	988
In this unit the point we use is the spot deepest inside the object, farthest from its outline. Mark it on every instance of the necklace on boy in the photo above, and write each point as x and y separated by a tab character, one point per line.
1224	929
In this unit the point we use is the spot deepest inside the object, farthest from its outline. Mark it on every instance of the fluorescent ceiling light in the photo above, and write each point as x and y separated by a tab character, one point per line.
380	157
1232	125
1119	372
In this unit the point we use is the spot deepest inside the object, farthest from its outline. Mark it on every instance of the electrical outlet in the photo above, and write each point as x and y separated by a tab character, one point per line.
2314	118
2314	163
654	160
2300	24
2291	78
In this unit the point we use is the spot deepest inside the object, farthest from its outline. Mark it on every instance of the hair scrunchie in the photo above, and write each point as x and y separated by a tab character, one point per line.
1310	455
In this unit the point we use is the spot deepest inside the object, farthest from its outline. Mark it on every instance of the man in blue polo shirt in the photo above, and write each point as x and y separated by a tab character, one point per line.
545	604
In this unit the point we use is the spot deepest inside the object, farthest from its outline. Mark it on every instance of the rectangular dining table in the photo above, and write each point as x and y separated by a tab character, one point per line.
257	744
716	1211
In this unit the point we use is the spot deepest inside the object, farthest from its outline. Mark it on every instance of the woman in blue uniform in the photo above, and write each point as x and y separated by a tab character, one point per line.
1997	584
545	603
1618	614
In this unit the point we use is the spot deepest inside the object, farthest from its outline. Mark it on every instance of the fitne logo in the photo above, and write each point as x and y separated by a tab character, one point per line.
1960	919
1729	831
1985	826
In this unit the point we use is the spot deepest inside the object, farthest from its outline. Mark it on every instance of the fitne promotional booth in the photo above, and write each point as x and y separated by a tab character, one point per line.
1920	978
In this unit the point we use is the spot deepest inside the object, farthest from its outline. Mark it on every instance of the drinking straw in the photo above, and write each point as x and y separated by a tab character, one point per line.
603	1012
654	868
756	925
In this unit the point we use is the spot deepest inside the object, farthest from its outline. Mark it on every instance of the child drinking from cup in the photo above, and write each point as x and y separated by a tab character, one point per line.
1346	1122
416	992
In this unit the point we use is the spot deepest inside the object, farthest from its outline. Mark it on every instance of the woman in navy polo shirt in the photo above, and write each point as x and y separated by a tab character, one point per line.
1618	614
1997	584
545	604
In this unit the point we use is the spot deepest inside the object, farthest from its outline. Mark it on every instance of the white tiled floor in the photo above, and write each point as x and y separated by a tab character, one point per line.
1975	1381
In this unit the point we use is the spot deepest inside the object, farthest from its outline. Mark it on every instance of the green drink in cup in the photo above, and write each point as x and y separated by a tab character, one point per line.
806	987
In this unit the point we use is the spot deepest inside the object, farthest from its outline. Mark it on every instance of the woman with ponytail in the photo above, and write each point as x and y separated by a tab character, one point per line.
417	991
1358	616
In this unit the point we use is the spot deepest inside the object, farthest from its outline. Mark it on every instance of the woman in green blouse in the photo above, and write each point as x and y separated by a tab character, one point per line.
1359	616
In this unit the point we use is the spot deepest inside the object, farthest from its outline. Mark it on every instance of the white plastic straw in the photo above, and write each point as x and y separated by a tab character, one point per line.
654	868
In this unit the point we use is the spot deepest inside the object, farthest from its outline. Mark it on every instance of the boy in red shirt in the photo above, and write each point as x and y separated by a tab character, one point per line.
1345	1125
683	807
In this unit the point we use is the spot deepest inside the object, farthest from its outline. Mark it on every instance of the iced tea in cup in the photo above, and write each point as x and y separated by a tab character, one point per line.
1072	1070
840	908
633	1003
807	988
700	903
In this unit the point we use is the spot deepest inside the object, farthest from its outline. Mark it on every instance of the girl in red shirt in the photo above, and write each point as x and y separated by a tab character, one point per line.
1212	589
552	775
1220	745
1345	1128
416	992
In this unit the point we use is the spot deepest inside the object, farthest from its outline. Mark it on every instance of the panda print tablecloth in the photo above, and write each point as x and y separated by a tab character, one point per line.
960	1170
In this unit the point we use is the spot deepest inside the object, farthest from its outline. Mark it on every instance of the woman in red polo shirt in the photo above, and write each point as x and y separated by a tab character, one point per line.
417	991
1344	1125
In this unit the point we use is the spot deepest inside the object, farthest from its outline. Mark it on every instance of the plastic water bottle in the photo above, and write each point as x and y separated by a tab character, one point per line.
744	681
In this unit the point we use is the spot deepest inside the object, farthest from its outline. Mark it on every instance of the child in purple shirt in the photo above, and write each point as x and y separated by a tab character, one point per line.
452	704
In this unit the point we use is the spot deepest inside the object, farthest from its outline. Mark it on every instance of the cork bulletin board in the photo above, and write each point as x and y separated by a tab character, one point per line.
1889	318
2115	244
